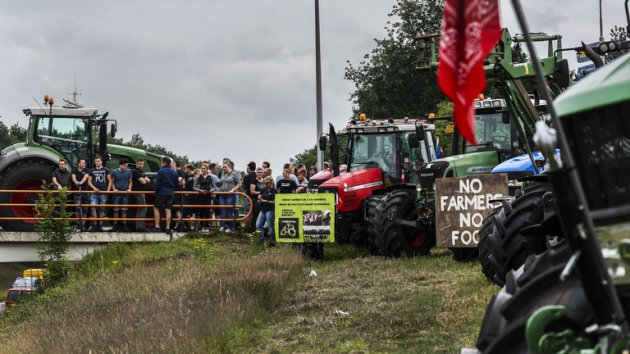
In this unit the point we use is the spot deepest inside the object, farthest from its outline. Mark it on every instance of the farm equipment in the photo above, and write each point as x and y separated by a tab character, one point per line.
574	298
379	156
503	129
72	131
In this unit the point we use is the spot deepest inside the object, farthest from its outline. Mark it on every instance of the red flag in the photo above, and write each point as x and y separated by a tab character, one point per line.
470	28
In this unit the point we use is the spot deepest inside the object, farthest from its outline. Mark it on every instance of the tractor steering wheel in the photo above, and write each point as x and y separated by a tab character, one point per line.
500	138
386	156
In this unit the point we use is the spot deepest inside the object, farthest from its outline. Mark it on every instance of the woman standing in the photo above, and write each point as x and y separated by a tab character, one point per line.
230	182
286	184
267	199
204	184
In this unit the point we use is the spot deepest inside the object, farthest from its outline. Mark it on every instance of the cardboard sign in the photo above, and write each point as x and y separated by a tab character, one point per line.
305	217
461	205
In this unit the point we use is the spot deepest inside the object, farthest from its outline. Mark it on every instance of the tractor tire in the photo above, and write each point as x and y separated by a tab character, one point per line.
528	289
23	175
464	254
496	215
508	248
374	222
397	240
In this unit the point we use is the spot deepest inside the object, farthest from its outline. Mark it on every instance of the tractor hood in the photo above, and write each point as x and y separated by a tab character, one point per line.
353	187
471	163
320	177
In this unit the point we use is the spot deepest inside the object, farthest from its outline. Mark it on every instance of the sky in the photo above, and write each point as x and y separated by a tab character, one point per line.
216	78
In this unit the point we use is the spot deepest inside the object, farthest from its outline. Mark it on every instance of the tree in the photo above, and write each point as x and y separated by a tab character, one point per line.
388	85
308	158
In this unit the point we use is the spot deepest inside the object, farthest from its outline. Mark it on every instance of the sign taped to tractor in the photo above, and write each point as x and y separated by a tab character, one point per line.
461	205
305	217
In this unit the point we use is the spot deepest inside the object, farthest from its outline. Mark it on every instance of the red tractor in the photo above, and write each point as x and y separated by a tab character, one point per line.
378	156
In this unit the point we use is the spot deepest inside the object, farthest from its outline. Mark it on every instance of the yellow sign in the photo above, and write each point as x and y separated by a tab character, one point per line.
305	217
450	129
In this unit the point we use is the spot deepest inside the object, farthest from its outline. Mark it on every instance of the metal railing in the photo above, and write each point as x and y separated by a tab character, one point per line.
181	206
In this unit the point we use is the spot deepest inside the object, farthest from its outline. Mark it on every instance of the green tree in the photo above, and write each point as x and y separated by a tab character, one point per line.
444	109
387	83
308	157
5	137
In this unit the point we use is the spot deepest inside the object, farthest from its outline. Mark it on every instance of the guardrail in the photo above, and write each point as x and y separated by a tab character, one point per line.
181	206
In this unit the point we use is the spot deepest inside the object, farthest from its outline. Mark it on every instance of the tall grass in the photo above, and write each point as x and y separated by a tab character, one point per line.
184	302
227	295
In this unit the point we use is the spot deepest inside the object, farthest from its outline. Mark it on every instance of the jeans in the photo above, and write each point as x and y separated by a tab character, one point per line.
98	199
85	201
266	216
140	212
120	199
227	213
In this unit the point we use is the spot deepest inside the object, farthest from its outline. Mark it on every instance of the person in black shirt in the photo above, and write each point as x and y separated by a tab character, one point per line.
138	182
267	199
61	176
204	184
286	184
79	178
249	183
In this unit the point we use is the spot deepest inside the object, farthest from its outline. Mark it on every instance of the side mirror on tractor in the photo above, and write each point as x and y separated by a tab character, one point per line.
114	130
413	141
505	116
322	142
562	73
419	131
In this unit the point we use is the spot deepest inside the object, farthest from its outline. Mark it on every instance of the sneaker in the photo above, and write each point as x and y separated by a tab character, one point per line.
94	228
125	229
100	229
155	230
169	232
227	231
142	230
205	229
114	228
222	229
78	229
272	244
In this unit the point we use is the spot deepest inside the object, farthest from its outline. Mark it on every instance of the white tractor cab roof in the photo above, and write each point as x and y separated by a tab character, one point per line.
499	102
26	282
70	109
386	125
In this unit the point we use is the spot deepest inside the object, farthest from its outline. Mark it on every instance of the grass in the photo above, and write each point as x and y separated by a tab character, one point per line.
222	294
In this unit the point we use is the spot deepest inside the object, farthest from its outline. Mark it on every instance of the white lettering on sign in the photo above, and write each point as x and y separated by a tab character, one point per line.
465	206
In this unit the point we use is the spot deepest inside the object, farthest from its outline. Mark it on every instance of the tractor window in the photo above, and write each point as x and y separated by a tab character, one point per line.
417	156
491	133
372	150
66	135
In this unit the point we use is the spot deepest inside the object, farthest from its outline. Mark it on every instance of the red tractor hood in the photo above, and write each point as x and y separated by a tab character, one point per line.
353	187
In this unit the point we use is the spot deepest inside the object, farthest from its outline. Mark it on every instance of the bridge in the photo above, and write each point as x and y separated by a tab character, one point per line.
20	246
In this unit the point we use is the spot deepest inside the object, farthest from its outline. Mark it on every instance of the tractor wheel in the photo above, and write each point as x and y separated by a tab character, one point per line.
374	222
533	286
508	248
496	215
395	239
24	175
464	254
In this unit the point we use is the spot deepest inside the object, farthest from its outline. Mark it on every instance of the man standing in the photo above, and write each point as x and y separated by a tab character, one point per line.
100	180
61	176
179	189
248	181
165	184
121	178
79	179
138	182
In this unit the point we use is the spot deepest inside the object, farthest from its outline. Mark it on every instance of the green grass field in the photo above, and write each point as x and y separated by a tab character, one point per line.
223	294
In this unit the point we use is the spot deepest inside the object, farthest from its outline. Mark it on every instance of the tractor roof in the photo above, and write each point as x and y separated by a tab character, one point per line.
387	125
62	111
606	86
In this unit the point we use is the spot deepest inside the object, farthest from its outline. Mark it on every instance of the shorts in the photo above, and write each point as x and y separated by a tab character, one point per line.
120	199
165	201
97	199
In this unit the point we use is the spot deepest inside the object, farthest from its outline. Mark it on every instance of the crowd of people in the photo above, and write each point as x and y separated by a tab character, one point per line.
201	191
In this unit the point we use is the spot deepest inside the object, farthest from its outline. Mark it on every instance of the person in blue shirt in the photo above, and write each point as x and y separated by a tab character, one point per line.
165	184
121	178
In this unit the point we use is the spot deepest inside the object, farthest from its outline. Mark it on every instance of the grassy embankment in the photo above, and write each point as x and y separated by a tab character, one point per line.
221	294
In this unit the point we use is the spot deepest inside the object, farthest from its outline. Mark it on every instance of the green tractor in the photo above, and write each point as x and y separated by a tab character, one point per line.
504	127
71	132
575	298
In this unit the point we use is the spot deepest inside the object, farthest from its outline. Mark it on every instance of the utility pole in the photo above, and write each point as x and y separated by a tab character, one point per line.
318	80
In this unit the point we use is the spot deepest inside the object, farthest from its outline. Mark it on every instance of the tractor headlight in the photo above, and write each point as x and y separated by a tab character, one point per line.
418	187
